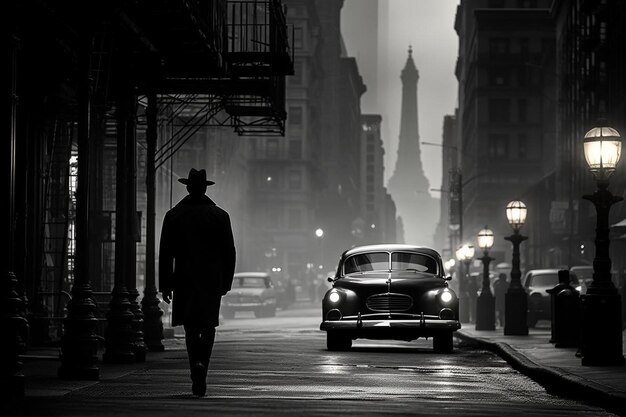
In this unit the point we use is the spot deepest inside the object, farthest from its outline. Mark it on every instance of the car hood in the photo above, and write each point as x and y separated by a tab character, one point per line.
405	282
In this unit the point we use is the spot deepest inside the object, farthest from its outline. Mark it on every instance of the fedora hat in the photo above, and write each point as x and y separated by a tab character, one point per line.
196	177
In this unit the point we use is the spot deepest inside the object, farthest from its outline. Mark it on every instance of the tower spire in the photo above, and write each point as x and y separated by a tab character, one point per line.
408	185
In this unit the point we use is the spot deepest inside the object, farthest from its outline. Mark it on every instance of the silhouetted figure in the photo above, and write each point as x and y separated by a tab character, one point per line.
196	264
499	289
472	296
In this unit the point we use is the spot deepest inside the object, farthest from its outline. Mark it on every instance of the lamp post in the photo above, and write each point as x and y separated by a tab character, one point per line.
319	233
464	254
516	299
486	304
601	305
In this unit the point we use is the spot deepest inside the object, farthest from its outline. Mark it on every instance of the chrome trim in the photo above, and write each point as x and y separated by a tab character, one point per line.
387	304
427	324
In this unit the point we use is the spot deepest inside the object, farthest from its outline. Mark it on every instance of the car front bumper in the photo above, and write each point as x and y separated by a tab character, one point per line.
425	325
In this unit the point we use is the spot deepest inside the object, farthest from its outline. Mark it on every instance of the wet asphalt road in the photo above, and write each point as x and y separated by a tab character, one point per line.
280	366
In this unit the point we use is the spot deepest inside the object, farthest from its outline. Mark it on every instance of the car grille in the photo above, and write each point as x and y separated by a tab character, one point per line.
389	302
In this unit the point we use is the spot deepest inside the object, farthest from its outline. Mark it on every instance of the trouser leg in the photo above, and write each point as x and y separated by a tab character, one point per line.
207	339
193	343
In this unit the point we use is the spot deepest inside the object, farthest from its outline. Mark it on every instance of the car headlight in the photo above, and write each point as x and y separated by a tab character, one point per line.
445	296
334	297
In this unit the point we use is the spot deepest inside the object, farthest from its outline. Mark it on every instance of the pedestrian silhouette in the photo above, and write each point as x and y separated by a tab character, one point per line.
196	268
499	289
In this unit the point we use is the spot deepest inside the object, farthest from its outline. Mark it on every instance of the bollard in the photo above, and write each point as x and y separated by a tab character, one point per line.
564	282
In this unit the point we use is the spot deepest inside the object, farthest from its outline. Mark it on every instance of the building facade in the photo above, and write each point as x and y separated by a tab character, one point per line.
505	120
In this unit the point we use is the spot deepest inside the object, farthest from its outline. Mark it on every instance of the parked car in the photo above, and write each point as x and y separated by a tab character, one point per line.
390	291
251	291
537	282
584	274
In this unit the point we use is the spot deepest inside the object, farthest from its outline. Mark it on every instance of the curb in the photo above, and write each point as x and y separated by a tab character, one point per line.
555	380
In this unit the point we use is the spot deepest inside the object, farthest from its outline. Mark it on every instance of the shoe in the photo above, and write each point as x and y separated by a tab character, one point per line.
198	379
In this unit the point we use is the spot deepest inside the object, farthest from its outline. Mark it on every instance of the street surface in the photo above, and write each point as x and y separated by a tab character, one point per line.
280	366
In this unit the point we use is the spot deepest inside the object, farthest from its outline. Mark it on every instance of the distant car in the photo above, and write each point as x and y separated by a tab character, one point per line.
251	291
390	291
584	274
536	282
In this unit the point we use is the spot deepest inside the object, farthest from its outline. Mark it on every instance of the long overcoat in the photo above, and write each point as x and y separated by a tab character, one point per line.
196	259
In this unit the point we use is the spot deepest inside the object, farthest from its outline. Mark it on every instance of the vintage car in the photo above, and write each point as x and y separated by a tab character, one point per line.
251	291
390	291
537	282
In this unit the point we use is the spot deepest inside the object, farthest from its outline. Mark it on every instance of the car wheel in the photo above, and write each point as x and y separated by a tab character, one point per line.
442	343
271	312
336	341
532	321
228	314
260	313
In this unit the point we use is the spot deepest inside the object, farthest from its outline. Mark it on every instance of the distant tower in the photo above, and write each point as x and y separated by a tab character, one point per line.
408	185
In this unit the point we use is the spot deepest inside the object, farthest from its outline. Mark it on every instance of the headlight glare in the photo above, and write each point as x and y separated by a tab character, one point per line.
446	296
333	297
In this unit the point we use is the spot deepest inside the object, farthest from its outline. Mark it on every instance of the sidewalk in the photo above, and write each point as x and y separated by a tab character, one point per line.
558	369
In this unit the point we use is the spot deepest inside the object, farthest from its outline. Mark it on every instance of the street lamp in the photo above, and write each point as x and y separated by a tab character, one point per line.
516	299
601	305
464	254
319	233
486	304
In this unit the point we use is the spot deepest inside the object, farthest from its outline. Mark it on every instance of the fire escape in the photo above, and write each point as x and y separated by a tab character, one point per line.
223	64
210	63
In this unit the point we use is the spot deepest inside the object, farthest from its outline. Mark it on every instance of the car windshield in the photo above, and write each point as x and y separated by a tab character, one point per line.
249	282
363	262
379	261
544	280
413	262
583	273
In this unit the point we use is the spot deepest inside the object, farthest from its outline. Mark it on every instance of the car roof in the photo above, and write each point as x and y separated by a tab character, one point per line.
252	274
579	267
543	271
391	247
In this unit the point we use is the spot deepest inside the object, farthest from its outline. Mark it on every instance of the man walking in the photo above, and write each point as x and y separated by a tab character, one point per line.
196	265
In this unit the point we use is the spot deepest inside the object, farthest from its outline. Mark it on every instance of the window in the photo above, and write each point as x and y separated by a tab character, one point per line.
295	180
499	110
413	261
522	146
526	4
298	38
499	76
524	48
295	115
295	149
375	261
272	148
498	146
522	110
498	46
296	78
294	218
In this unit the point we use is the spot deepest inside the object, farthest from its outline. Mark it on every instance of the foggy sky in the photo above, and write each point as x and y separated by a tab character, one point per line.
427	25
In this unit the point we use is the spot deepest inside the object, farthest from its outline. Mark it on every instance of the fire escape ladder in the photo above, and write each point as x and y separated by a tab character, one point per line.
259	54
187	120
